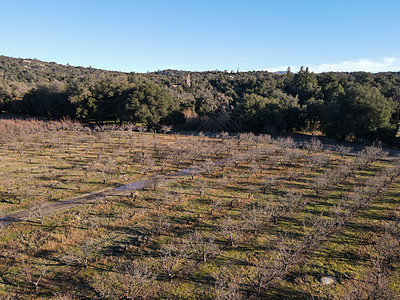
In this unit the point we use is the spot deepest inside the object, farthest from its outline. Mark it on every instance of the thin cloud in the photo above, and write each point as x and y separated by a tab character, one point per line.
366	64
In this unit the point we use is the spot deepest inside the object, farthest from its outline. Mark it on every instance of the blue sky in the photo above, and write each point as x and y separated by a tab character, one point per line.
149	35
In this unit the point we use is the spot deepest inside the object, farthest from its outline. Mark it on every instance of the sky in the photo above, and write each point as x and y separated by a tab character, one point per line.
200	35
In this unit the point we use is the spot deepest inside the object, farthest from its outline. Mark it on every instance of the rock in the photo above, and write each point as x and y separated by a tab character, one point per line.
327	280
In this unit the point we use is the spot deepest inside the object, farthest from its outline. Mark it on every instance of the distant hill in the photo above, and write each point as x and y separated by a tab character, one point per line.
33	70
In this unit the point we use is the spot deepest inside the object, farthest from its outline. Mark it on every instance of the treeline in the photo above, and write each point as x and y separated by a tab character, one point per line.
348	106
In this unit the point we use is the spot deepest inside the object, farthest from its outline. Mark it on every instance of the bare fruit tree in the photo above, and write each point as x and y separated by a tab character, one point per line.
202	247
174	259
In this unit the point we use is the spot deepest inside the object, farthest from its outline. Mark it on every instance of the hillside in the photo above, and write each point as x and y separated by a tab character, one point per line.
348	106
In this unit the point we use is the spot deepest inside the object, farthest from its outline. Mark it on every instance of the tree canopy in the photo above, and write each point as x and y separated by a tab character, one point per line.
348	106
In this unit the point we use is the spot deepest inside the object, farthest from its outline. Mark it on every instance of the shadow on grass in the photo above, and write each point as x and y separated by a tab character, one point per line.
8	198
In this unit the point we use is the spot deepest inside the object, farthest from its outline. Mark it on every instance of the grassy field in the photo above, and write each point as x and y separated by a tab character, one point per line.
267	219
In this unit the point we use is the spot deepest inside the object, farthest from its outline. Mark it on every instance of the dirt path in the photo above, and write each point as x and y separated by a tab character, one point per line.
51	207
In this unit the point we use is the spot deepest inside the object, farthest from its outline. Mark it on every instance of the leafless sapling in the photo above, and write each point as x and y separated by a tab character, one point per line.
32	274
174	259
227	282
202	247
